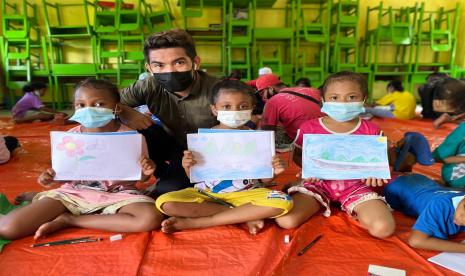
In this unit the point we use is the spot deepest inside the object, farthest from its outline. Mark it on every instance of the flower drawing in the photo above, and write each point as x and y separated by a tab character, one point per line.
71	146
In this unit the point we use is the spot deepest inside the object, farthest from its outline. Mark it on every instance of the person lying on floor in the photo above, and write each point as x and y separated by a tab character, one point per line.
440	211
8	145
451	152
30	108
232	102
106	205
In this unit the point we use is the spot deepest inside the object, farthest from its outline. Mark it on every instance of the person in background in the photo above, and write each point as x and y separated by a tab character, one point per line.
426	95
303	82
30	108
261	72
287	108
397	103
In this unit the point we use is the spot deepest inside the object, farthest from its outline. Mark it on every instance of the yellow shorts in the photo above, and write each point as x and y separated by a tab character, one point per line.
258	197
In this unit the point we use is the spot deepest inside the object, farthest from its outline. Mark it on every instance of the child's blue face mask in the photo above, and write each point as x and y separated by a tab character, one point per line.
343	112
92	117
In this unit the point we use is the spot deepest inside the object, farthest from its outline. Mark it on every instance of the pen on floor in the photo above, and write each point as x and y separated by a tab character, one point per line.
70	241
60	241
308	246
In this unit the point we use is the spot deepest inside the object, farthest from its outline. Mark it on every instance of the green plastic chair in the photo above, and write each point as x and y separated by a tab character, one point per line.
158	20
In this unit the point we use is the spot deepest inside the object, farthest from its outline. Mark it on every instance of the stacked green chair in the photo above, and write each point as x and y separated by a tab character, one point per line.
240	38
344	35
274	46
209	35
313	22
393	32
20	46
436	34
62	38
158	18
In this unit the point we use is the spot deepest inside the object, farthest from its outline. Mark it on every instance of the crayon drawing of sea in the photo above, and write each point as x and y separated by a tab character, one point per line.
339	157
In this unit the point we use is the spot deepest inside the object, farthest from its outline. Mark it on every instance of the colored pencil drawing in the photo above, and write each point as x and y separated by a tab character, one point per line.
82	156
231	156
74	148
340	157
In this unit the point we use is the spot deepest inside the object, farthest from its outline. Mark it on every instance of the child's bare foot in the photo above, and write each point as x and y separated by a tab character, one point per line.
174	224
26	196
60	222
255	226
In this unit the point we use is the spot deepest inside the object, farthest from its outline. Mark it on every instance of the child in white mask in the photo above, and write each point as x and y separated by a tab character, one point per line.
232	102
343	94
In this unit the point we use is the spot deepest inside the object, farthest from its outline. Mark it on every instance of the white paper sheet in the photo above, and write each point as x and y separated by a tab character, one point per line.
96	156
377	270
231	155
452	261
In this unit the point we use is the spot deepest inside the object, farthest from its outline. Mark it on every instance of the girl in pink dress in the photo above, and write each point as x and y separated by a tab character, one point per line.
344	94
107	205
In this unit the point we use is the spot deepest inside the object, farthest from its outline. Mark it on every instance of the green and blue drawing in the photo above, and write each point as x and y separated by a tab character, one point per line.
339	157
231	155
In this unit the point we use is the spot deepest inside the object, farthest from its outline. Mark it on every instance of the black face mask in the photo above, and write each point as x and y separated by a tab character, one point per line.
175	81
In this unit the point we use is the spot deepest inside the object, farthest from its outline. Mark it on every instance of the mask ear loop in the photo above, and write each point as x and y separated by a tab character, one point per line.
117	111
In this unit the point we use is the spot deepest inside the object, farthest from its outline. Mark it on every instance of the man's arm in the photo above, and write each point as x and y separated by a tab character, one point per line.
297	156
421	240
131	96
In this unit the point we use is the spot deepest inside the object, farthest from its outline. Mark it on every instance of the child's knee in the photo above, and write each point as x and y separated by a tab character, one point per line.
170	208
288	222
149	221
382	228
10	230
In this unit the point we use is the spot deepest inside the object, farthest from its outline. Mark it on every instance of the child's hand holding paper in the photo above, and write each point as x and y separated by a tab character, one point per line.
46	178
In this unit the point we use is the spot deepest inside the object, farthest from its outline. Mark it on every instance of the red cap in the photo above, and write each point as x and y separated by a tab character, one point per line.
267	80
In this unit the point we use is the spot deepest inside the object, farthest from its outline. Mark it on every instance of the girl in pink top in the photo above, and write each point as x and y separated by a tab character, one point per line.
107	205
344	94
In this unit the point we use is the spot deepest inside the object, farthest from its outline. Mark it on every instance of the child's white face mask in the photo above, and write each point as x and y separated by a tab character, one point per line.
234	119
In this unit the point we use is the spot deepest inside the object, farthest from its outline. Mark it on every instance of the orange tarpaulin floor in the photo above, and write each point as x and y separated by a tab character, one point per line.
345	249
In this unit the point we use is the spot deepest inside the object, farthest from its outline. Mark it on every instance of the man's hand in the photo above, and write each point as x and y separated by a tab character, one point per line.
133	118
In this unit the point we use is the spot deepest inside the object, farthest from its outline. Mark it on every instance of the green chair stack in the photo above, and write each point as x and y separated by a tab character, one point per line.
210	35
274	46
240	37
158	18
21	46
436	35
393	32
70	39
344	35
312	21
119	39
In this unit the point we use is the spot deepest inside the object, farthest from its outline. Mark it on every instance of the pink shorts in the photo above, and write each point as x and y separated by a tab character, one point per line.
349	193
